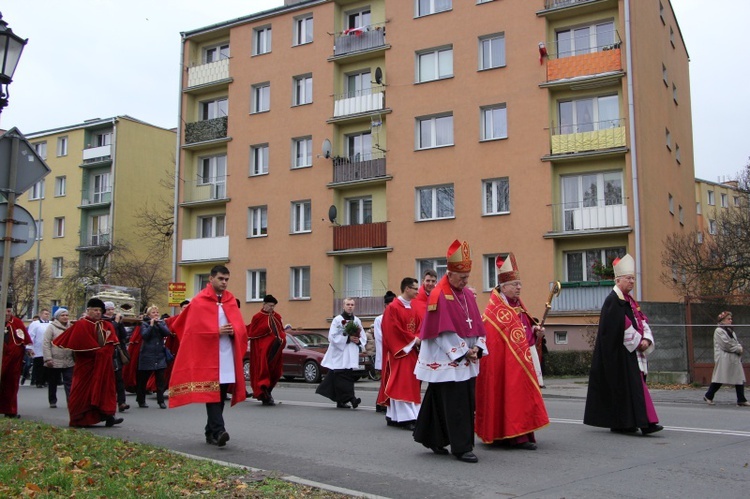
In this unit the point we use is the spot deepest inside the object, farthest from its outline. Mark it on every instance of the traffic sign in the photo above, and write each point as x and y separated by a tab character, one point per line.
31	168
176	292
24	230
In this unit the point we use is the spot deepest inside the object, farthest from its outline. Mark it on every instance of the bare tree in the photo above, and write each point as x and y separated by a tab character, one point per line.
24	277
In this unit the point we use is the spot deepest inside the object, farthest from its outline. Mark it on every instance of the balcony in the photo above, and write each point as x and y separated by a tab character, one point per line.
358	40
94	241
585	296
208	74
359	168
202	250
205	191
359	103
360	237
575	218
206	130
572	69
555	9
94	155
95	199
368	302
588	138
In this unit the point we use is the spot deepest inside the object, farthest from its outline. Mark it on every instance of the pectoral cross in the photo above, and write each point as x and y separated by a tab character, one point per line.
469	321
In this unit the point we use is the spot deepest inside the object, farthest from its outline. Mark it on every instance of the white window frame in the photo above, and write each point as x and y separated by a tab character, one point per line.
257	221
489	277
439	265
62	146
431	7
102	139
677	154
493	190
698	209
433	123
261	98
736	200
303	30
215	53
299	279
302	90
36	191
57	267
671	204
699	237
358	210
99	228
489	118
586	265
262	40
597	104
358	146
58	227
213	108
724	199
259	159
212	169
302	153
217	226
301	219
358	18
100	186
435	193
41	149
681	214
60	186
39	229
601	35
358	279
712	227
561	337
255	285
711	198
488	46
440	66
665	75
668	138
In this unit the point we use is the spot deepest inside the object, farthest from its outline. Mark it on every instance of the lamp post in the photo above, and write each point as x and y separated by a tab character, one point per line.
11	46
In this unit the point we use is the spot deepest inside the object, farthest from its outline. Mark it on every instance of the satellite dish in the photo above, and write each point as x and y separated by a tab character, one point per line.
378	76
332	212
327	150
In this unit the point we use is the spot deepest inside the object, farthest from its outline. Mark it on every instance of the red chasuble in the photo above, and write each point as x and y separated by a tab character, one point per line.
195	372
16	338
93	396
508	399
267	341
400	328
419	303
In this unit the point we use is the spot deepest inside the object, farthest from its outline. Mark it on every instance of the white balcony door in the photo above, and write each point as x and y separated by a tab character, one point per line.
359	147
358	280
99	229
359	84
358	19
359	210
213	172
101	187
593	201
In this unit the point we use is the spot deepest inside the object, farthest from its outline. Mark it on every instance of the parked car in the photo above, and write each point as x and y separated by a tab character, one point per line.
302	356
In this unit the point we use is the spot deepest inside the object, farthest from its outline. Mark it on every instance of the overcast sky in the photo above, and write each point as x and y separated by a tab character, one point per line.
101	58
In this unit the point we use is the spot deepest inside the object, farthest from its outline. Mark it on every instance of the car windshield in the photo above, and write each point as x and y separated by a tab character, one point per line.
312	340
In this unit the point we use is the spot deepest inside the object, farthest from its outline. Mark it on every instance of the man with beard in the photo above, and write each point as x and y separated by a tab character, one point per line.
267	341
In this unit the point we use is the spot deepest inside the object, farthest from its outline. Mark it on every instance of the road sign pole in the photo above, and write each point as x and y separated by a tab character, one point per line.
12	173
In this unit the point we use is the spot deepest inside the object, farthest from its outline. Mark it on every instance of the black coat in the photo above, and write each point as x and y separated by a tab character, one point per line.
151	356
615	394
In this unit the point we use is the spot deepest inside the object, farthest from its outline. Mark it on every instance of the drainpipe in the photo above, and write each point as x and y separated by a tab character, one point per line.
176	210
633	156
113	153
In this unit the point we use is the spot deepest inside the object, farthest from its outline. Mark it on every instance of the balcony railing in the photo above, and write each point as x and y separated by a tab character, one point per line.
208	73
583	137
358	167
582	296
559	4
204	130
361	101
574	217
367	302
359	39
96	240
96	198
208	189
360	236
205	249
95	154
598	60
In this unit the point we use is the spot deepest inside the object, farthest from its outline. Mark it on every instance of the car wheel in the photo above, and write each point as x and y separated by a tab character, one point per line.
246	370
312	371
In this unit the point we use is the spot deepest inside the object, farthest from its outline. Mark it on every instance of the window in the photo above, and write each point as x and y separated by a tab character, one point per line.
439	265
711	198
671	204
671	36
103	139
435	64
490	271
301	221
594	190
664	75
358	280
303	29
39	229
484	1
359	147
262	40
303	90
211	226
496	196
259	159
101	188
587	115
677	154
99	229
216	108
661	13
300	283
561	337
579	265
494	122
261	98
57	267
712	227
436	131
359	210
681	214
58	227
492	51
585	39
698	207
213	172
216	53
358	19
736	200
724	201
256	285
699	237
427	7
358	84
435	202
41	149
201	281
62	146
301	152
668	138
674	93
257	221
37	191
60	186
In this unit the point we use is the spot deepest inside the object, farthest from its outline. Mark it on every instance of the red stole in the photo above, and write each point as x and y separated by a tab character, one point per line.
400	327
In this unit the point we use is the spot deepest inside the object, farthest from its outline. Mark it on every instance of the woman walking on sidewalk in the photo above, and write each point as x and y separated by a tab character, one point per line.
727	362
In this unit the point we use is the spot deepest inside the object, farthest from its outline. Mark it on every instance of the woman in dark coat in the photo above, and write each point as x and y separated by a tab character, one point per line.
152	358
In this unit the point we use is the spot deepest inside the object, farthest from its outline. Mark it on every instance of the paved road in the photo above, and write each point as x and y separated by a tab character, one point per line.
703	452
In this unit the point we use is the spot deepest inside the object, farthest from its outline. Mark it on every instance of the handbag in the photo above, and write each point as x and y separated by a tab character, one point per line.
123	355
168	354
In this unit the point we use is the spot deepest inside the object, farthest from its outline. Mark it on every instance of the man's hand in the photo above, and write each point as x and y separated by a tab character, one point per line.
226	329
539	331
354	339
643	345
472	354
48	362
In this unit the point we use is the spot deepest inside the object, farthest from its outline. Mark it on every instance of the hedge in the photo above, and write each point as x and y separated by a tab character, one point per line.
567	363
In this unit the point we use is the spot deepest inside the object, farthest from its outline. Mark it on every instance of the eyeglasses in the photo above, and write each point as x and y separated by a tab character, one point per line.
415	289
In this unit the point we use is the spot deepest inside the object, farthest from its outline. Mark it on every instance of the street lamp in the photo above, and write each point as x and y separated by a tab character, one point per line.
11	46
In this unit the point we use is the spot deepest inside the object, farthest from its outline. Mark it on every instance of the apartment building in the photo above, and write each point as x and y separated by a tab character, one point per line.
332	147
103	171
711	200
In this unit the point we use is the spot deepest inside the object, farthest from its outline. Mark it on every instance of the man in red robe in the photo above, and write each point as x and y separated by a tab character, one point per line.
509	402
419	303
16	344
267	342
399	387
93	395
213	340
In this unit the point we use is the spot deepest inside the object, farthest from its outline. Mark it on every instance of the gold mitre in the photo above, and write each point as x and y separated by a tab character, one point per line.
459	257
507	269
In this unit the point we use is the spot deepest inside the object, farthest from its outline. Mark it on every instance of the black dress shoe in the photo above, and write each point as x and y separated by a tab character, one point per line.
380	408
442	451
467	457
410	426
142	405
162	405
123	407
211	440
526	446
624	430
111	421
222	439
342	405
268	401
652	428
355	402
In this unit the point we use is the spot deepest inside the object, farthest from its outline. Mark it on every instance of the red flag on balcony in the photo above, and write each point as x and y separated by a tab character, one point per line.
542	52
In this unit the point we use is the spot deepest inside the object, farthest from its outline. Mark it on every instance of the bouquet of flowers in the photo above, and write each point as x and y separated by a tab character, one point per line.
351	328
